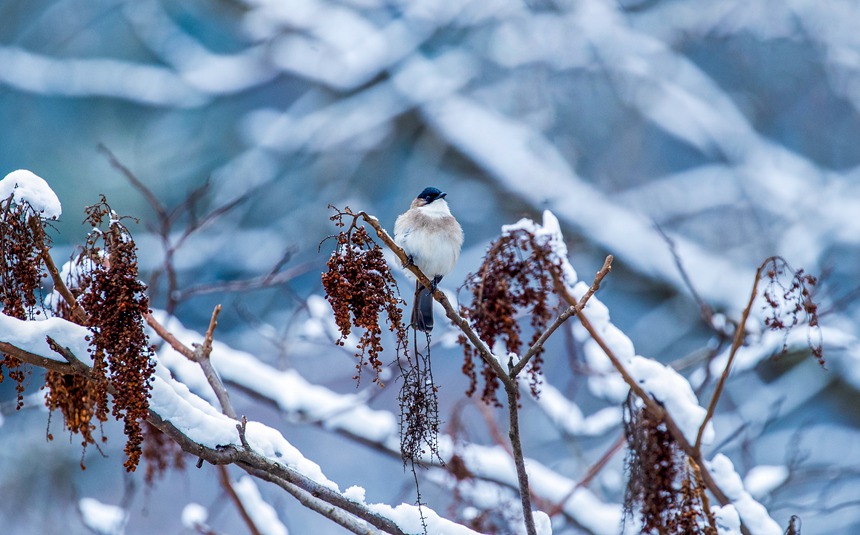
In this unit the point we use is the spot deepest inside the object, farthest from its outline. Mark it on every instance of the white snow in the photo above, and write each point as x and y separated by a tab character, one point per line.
102	518
31	336
194	515
727	520
568	417
287	388
408	518
761	480
263	514
355	493
662	382
25	186
755	517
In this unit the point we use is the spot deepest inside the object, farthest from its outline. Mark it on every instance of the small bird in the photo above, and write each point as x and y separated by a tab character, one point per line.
432	238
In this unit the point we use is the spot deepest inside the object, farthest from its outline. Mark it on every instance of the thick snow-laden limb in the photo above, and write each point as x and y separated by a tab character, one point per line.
665	385
143	84
31	336
25	186
662	382
349	415
754	514
215	74
102	518
195	424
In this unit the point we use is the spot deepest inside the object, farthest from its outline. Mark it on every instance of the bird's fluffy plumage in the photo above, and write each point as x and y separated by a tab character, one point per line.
432	238
431	235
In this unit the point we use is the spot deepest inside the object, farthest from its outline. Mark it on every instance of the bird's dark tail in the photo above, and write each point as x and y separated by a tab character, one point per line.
422	308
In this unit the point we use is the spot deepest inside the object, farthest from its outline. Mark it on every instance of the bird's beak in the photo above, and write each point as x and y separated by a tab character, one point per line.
442	195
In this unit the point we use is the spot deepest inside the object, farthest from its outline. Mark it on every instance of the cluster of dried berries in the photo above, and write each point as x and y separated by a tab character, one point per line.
360	287
515	277
20	275
75	396
787	302
116	301
160	453
662	484
419	408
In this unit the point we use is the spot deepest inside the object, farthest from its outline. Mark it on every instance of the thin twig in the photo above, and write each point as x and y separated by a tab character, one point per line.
168	337
138	185
570	311
227	483
59	284
705	309
201	356
736	344
206	348
483	351
519	459
264	281
590	474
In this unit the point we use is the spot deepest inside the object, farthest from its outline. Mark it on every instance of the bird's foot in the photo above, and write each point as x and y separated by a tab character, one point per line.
434	284
410	261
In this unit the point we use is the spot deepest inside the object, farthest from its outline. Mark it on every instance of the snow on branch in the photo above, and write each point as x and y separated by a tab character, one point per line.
196	425
24	186
349	415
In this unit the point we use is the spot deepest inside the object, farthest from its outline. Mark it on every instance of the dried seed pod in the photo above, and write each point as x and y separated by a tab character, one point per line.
515	277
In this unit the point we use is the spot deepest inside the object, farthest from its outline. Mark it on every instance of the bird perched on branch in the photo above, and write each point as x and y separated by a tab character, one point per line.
432	238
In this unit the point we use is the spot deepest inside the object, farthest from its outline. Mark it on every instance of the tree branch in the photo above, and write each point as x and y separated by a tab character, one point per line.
651	405
249	460
78	312
483	351
570	311
519	458
736	344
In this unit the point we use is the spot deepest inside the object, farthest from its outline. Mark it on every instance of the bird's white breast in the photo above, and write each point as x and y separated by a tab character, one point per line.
432	236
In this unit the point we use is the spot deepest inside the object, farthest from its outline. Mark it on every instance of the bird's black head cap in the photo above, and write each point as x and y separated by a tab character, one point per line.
431	194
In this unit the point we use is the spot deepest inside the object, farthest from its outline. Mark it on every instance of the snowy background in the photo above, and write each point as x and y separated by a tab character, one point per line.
732	126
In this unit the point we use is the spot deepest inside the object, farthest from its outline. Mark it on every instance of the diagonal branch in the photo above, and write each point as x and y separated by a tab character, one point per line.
247	459
570	311
736	344
654	408
484	351
59	284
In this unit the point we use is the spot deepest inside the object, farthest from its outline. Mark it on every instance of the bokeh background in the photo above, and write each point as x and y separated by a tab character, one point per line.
729	130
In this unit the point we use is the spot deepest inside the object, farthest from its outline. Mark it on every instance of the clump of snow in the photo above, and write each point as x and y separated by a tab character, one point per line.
755	517
543	525
763	479
31	336
567	416
194	516
354	493
25	186
102	518
675	393
263	514
409	519
727	520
